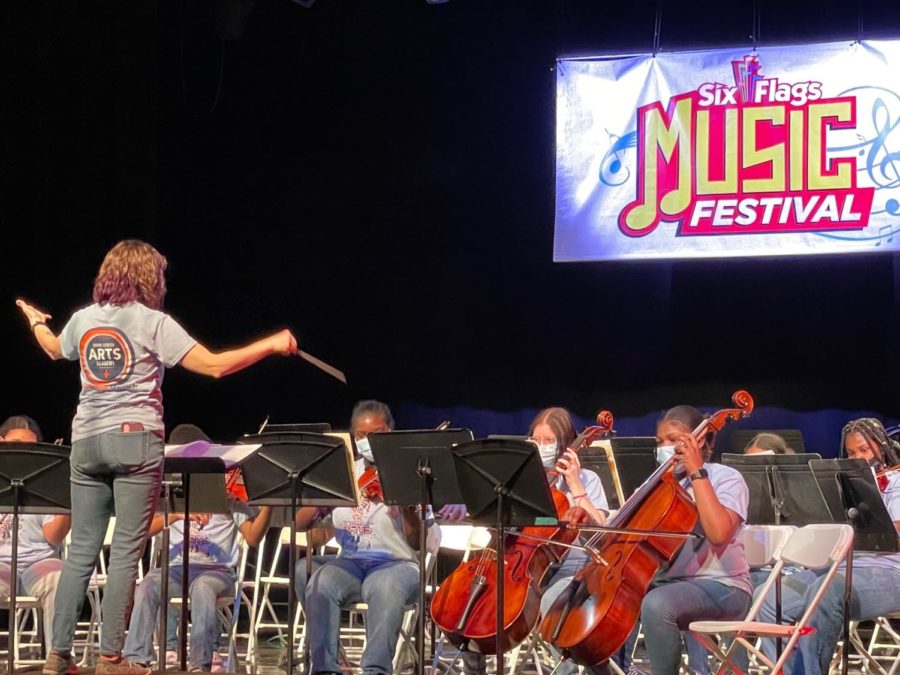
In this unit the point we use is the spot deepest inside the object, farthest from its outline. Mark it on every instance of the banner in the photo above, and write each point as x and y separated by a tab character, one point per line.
782	151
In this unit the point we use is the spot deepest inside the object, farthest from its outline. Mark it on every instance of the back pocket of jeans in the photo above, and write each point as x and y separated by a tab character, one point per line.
126	450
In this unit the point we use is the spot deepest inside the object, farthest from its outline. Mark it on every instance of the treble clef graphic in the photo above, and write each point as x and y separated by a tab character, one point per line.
612	164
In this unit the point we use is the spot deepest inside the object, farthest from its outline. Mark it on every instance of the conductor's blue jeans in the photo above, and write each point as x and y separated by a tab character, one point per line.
112	473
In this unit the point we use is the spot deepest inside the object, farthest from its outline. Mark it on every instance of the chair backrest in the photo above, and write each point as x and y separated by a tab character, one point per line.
817	546
763	543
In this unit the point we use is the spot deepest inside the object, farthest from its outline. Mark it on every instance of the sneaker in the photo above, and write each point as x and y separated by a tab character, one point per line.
218	663
121	667
171	659
59	665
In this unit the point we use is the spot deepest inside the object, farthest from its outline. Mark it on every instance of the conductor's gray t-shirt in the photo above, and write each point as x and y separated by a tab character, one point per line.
123	351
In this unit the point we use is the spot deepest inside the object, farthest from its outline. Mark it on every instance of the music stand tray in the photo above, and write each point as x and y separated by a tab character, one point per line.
397	456
782	489
504	484
852	496
300	469
34	478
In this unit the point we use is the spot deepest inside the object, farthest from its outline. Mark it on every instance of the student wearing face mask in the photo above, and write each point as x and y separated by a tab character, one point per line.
553	431
708	579
378	564
875	590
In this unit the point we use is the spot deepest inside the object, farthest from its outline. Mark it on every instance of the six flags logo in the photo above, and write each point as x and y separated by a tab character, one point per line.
746	159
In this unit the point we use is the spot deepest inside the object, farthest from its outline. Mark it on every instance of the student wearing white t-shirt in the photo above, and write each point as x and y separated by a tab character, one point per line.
709	577
553	431
40	537
123	342
875	589
214	556
378	564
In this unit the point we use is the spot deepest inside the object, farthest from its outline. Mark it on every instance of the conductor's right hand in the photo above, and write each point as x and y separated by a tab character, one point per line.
284	343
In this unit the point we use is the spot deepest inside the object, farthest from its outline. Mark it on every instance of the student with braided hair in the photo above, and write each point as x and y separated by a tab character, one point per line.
875	590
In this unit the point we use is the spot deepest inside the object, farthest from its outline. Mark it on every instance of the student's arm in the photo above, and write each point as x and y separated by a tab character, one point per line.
308	516
719	523
569	467
56	530
218	364
45	337
253	530
412	526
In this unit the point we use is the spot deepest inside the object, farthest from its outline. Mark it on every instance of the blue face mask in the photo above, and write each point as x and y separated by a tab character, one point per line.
664	452
365	450
548	454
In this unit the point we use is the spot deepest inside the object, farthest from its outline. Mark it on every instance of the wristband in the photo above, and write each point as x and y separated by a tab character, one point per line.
38	323
577	497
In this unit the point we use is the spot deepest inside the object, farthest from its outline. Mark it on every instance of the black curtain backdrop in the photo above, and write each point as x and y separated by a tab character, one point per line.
378	176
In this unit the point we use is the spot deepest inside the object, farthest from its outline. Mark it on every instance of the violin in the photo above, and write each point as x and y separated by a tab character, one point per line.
465	604
594	616
370	484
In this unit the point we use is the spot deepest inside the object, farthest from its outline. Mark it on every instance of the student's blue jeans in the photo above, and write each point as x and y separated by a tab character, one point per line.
206	586
112	473
874	592
388	587
670	607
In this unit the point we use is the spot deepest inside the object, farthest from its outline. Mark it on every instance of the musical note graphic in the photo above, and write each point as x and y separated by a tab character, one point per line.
879	166
612	162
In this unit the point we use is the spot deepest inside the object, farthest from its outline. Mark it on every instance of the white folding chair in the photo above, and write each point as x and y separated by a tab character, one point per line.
27	629
812	547
881	651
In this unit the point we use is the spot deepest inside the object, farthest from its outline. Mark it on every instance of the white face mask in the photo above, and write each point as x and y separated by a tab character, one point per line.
548	454
365	450
664	452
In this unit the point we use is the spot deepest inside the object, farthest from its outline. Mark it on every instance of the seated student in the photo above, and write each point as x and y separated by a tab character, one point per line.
553	430
378	564
214	555
40	536
875	590
768	444
708	579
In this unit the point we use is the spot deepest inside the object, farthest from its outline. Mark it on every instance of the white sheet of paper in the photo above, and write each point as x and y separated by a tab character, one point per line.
231	455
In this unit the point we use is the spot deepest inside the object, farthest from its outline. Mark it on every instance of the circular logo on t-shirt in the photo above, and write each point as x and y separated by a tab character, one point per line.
107	357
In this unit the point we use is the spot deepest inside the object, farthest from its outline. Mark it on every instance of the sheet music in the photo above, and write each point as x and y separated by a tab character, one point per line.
231	455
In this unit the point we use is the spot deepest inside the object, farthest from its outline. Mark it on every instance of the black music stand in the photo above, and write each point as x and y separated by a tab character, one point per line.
782	489
300	469
852	496
504	485
34	478
635	458
416	468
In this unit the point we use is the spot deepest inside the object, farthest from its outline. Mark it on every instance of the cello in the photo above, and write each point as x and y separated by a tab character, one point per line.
591	619
465	605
